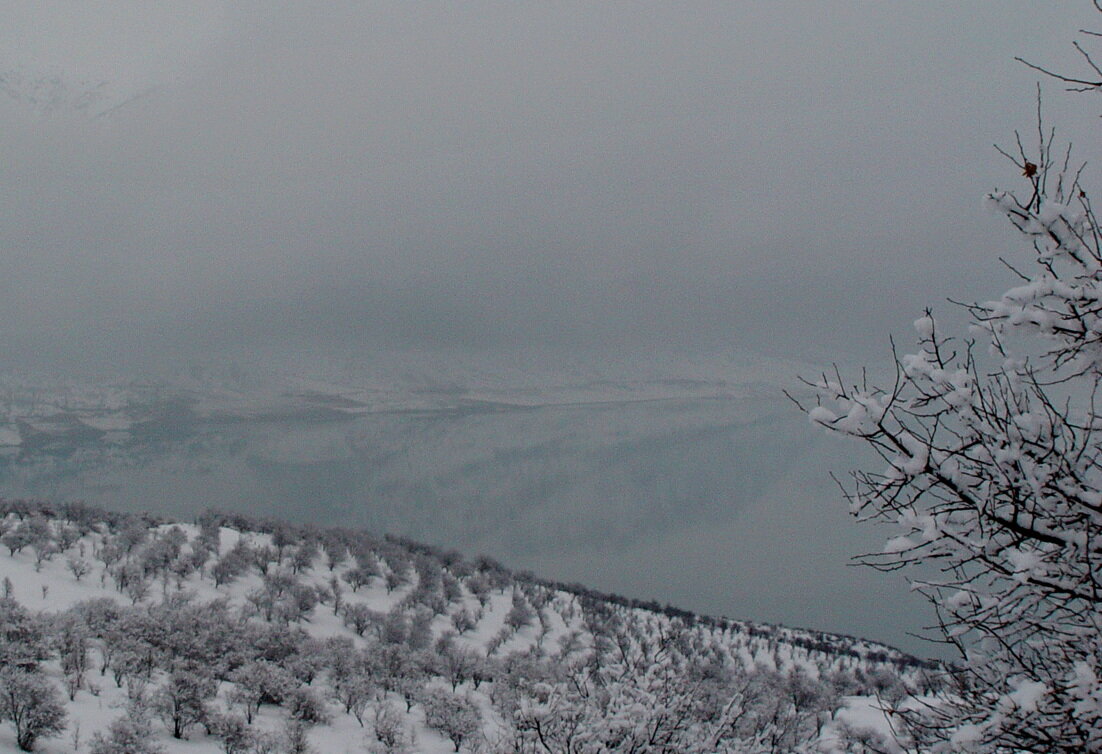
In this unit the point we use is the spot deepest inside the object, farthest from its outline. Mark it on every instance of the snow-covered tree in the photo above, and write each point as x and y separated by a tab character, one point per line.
79	567
30	532
22	640
182	701
132	733
32	705
457	717
993	479
388	728
359	617
232	732
295	740
305	706
71	643
232	565
260	682
361	574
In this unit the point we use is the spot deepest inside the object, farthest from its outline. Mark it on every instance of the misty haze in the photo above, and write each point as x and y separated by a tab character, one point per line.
533	286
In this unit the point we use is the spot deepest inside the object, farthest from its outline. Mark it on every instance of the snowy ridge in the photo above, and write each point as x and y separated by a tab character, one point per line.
402	381
276	637
42	416
52	91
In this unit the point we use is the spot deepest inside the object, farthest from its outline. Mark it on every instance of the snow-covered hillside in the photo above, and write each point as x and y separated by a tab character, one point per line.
234	635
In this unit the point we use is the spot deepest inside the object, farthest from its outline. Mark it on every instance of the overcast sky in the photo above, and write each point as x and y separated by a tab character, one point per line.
785	176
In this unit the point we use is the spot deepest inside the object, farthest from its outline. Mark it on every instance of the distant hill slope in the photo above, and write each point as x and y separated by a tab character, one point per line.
244	636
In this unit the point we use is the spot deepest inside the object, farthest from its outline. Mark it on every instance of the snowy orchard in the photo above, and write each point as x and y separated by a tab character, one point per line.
254	637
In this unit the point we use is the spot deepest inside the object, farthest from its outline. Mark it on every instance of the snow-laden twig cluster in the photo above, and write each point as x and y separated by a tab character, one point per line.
993	482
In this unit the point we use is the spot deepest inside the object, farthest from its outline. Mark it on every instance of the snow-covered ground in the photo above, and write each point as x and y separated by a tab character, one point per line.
478	610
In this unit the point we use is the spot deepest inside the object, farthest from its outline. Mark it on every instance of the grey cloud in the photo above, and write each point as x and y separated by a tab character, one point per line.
491	173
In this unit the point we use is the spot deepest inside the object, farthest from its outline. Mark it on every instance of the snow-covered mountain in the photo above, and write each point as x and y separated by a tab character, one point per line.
91	59
237	635
404	381
48	92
